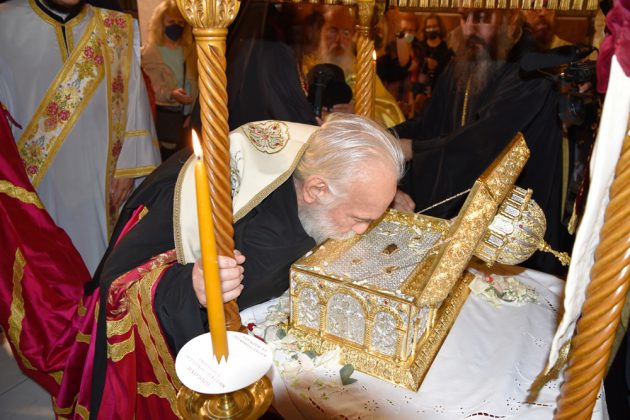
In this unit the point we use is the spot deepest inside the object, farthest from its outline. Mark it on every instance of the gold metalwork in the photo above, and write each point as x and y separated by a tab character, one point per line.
245	404
394	320
410	373
465	105
476	214
605	296
210	20
572	5
369	12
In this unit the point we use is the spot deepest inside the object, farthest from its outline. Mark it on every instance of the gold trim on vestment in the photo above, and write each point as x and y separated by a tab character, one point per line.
134	172
465	104
67	45
119	326
177	200
57	376
264	193
148	329
21	194
117	68
137	133
63	411
38	144
83	338
81	309
82	411
72	23
143	212
117	351
17	308
146	389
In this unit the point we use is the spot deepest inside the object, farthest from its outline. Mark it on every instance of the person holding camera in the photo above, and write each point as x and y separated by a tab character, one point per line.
480	102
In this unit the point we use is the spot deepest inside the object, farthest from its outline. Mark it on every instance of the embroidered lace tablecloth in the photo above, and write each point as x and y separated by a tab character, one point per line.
483	370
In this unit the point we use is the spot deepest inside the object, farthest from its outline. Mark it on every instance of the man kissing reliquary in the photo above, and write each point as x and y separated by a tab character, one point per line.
389	297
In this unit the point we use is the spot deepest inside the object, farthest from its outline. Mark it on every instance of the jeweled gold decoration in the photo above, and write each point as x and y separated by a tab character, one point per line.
389	297
516	232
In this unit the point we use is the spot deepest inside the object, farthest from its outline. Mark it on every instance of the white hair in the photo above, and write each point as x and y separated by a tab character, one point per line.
342	147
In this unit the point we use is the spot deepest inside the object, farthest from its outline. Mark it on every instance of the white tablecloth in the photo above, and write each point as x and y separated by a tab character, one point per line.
483	370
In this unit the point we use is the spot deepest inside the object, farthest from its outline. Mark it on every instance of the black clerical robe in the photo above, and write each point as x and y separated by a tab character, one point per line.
270	236
448	156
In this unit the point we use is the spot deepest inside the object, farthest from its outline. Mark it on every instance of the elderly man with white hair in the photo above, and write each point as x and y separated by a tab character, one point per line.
293	186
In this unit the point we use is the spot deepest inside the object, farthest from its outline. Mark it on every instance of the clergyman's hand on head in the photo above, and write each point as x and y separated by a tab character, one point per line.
230	273
403	202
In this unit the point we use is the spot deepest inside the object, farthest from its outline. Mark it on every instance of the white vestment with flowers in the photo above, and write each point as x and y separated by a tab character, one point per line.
83	124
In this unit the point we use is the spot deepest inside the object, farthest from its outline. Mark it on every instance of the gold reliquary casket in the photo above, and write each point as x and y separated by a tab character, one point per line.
389	297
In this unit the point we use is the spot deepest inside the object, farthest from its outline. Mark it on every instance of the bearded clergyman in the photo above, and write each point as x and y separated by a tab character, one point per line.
479	103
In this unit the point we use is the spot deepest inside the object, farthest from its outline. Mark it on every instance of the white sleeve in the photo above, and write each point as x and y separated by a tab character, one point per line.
140	153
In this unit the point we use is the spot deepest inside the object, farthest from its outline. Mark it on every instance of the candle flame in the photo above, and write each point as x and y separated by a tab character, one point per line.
374	55
197	145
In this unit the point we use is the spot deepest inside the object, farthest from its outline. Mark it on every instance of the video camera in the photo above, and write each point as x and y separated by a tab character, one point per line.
568	67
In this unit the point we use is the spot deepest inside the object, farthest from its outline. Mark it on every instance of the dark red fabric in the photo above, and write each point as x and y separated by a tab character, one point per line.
52	326
45	309
617	42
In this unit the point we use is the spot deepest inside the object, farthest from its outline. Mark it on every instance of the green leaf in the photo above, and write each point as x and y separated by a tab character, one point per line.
281	333
345	373
311	354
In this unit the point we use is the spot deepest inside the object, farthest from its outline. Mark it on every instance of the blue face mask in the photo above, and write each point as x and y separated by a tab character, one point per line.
174	31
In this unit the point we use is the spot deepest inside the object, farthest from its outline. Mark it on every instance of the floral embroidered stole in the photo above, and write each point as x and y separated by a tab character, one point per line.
104	51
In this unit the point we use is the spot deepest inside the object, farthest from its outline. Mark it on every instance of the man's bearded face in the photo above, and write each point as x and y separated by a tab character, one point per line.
318	223
542	24
481	44
335	44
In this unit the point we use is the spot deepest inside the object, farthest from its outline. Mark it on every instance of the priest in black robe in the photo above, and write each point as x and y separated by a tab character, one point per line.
479	103
293	185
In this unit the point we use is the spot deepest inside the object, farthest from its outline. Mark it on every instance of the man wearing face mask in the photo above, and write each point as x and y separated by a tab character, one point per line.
170	61
86	129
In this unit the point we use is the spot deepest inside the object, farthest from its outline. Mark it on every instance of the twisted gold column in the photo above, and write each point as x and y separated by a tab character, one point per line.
605	297
366	65
210	20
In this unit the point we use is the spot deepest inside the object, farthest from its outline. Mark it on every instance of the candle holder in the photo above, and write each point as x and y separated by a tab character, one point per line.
237	389
247	403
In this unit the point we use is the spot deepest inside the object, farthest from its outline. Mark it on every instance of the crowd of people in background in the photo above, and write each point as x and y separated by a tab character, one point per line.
97	114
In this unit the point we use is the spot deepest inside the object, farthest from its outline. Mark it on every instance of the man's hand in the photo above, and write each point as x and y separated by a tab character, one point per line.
120	190
403	202
407	148
180	95
230	274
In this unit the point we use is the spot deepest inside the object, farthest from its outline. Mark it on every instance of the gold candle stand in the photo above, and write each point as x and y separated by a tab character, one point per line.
210	20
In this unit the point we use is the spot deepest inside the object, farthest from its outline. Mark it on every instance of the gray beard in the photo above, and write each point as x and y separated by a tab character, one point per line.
479	72
316	223
479	68
345	61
